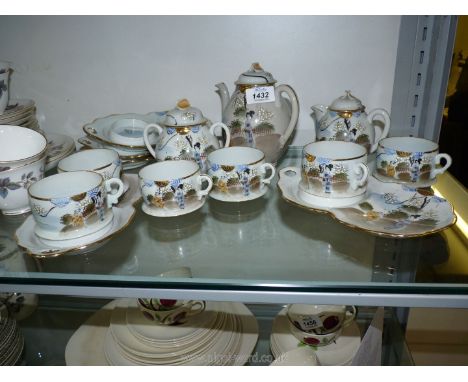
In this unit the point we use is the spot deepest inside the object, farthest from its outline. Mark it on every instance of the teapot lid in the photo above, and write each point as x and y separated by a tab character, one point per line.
255	76
347	103
184	115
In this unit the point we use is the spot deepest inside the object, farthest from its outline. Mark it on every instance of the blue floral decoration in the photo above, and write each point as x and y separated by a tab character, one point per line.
241	167
147	183
170	130
175	183
195	129
357	113
94	192
389	151
215	167
60	202
322	161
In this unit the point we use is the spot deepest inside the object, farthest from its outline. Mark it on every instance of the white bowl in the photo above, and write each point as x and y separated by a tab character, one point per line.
20	146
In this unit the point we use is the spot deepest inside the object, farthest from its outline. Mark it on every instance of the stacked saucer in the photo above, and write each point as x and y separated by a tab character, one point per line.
340	352
223	334
124	134
59	146
11	339
20	112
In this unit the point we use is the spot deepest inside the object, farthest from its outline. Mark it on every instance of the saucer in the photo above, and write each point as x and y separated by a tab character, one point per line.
40	248
239	198
16	110
166	213
340	352
59	146
386	179
388	209
99	129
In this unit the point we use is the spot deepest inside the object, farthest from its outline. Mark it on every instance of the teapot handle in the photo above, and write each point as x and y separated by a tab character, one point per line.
294	113
370	117
226	130
146	138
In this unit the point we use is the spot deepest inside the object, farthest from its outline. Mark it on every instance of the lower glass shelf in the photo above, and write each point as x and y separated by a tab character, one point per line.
48	330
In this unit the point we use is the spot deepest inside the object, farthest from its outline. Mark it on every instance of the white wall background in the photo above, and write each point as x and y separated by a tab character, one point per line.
80	68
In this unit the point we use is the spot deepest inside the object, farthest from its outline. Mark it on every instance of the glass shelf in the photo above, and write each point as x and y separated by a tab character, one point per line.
264	250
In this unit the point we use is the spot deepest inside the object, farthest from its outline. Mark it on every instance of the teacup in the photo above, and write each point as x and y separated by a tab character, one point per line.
320	319
14	184
73	204
168	312
333	172
103	161
129	132
409	160
173	185
314	339
238	172
20	146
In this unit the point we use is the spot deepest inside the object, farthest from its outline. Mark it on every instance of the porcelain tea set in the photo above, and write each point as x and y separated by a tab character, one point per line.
230	161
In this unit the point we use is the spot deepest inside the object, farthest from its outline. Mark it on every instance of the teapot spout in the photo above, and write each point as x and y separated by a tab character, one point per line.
224	94
319	111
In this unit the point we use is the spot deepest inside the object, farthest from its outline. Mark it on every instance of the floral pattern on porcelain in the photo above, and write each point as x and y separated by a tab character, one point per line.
112	171
72	212
235	180
177	193
26	180
404	166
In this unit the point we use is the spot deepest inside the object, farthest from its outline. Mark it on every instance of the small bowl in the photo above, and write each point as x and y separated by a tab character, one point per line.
20	146
303	356
313	339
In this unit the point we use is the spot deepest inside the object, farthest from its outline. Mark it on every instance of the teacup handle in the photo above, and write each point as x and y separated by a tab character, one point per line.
113	198
437	171
349	317
226	130
295	170
146	133
263	169
204	192
370	117
294	110
196	307
360	168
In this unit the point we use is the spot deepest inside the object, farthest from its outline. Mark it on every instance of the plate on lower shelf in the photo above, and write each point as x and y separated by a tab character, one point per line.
86	346
388	210
30	243
338	353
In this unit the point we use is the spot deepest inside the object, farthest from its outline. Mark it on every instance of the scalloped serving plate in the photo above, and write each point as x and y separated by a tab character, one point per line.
388	210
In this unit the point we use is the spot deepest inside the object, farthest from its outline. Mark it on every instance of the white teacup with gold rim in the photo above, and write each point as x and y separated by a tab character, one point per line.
170	312
409	160
173	188
333	173
73	204
239	173
103	161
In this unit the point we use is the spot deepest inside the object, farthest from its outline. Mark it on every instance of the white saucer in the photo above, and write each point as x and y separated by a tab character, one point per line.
239	198
340	352
388	209
59	146
30	243
166	213
86	345
387	179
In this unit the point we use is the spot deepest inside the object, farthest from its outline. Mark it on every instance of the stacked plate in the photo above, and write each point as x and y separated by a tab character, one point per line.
11	340
20	112
119	334
124	134
59	146
338	353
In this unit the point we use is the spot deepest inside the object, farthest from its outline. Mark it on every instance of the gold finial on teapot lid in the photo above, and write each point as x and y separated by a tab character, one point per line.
257	67
183	104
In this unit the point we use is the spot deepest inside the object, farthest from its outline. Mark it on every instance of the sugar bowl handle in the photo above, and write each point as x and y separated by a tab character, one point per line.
226	130
146	132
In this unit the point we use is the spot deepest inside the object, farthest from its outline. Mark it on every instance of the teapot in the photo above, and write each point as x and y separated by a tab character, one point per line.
257	114
346	120
186	134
